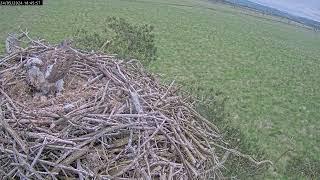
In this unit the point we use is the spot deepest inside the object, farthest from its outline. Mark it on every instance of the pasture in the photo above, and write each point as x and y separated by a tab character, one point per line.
268	70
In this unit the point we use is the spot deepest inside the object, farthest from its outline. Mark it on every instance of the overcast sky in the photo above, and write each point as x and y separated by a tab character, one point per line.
304	8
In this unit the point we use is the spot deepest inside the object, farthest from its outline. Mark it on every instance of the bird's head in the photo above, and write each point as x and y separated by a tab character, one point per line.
65	44
33	62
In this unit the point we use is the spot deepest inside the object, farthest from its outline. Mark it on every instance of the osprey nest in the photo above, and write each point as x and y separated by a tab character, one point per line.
65	113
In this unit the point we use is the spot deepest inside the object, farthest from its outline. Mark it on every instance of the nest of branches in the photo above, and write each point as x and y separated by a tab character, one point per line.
113	120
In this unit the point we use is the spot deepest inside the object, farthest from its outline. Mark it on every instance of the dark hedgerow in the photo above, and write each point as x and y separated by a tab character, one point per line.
120	37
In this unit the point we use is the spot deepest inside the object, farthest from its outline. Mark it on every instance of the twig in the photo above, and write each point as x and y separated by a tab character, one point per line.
14	135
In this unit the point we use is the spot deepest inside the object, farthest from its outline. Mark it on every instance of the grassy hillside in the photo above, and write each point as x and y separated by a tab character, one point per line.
270	71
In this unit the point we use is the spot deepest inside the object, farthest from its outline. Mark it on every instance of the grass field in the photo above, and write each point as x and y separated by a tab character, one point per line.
270	71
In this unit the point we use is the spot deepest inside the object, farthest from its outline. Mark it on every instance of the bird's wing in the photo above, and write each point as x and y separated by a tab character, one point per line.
11	43
59	69
35	77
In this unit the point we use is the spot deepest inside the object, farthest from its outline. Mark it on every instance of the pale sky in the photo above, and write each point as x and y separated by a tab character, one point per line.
304	8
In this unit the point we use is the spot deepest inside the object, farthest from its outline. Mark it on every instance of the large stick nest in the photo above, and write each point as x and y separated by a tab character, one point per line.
113	120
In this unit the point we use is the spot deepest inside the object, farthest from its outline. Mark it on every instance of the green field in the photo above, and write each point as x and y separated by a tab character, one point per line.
269	70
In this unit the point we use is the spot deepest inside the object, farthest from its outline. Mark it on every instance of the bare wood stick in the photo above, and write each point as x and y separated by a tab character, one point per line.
80	168
94	80
74	156
21	160
136	102
14	135
201	117
129	166
243	155
39	152
9	99
109	75
50	137
50	163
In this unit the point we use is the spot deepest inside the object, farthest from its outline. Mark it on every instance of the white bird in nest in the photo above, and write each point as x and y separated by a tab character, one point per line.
46	74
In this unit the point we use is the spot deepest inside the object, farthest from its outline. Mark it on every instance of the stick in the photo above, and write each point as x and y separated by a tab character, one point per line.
14	135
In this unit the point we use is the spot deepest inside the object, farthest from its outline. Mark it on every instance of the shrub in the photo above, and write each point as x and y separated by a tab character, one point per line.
120	37
88	40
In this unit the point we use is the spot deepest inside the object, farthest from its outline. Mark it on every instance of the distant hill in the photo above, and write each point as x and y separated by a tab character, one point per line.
272	11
